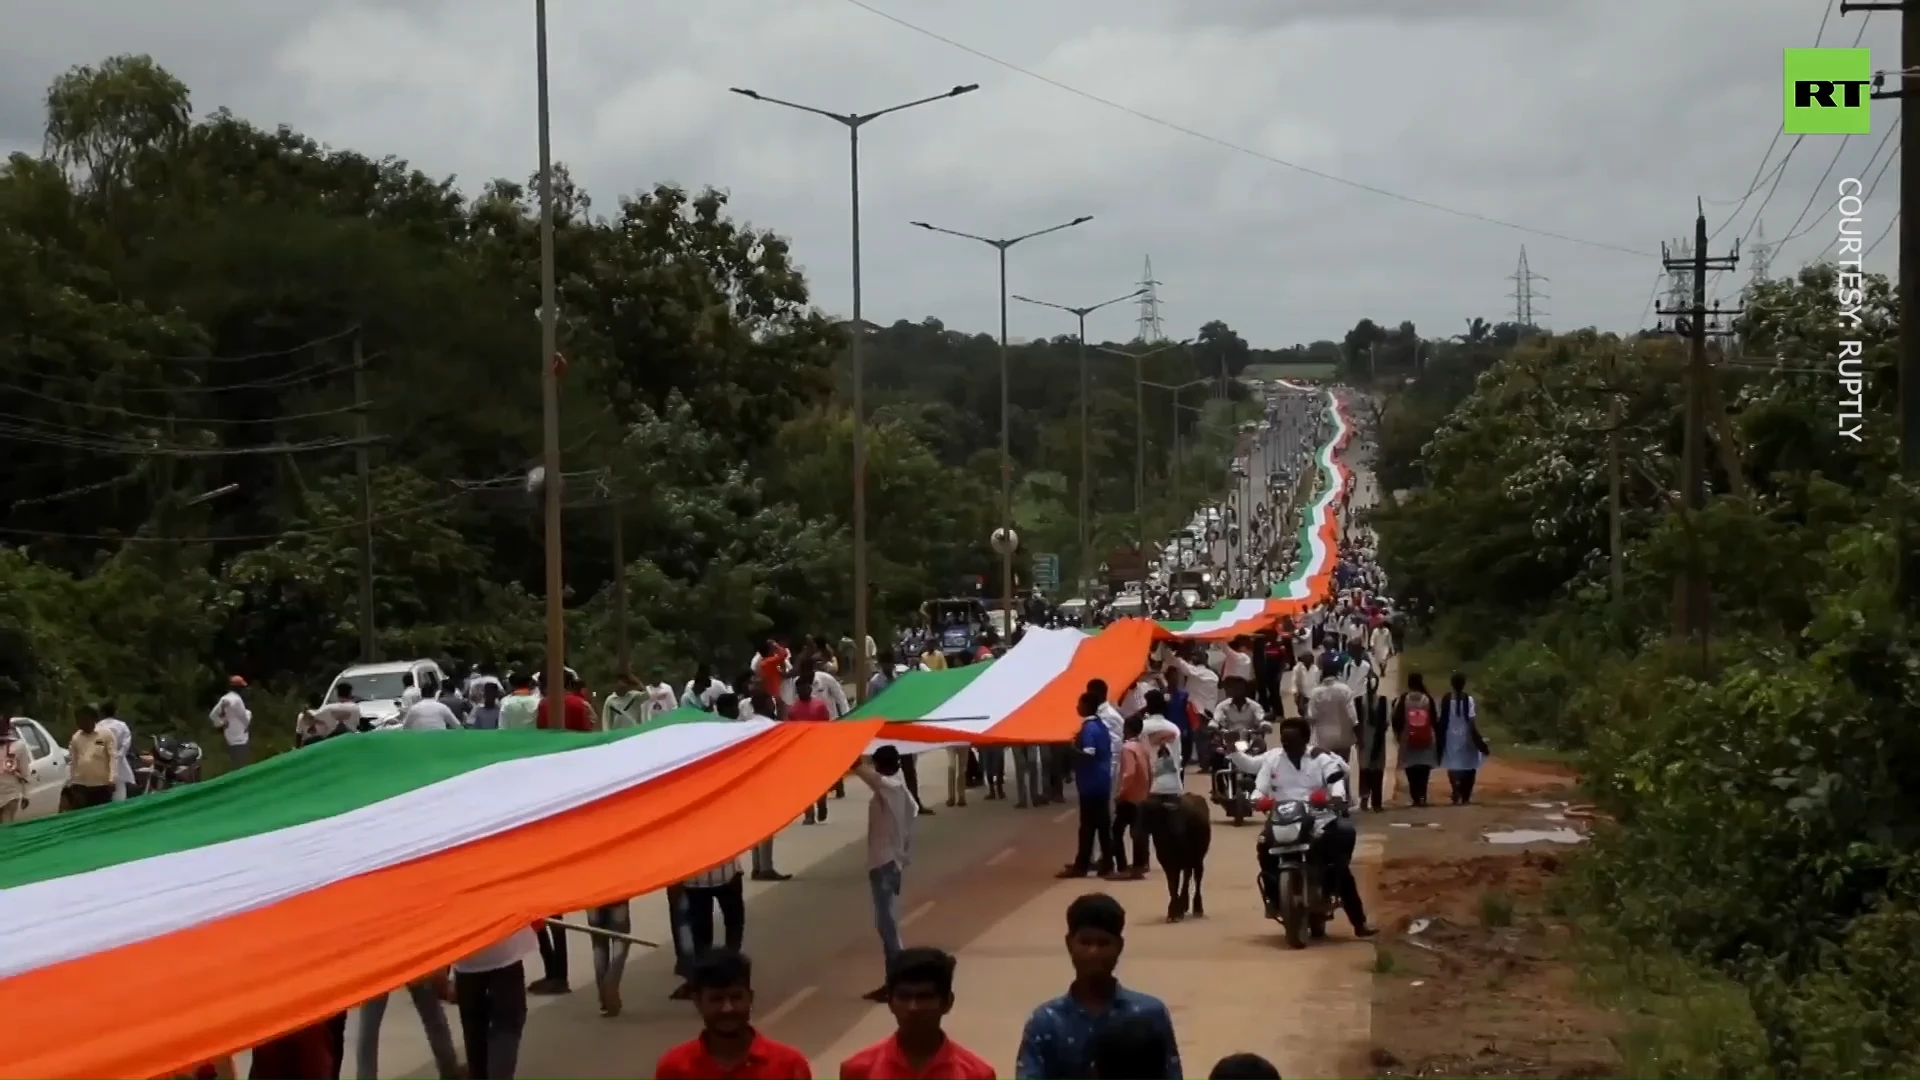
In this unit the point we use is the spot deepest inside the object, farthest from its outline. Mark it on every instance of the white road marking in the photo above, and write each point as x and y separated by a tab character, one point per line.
786	1007
1005	854
1065	815
914	915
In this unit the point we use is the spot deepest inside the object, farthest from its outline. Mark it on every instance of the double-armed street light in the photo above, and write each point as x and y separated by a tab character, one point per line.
1086	471
1140	428
853	122
1176	391
1001	245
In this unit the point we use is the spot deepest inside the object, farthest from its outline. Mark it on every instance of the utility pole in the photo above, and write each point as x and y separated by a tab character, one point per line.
1616	417
1693	597
1909	296
621	647
369	646
1140	449
554	683
1909	369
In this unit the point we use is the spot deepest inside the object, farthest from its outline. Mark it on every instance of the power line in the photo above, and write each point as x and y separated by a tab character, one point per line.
63	438
256	538
1884	233
191	421
1857	39
1237	148
269	354
1652	295
1754	184
1884	140
315	372
1819	187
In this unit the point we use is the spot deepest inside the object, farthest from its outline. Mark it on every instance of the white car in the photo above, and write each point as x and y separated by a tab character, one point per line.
50	772
377	687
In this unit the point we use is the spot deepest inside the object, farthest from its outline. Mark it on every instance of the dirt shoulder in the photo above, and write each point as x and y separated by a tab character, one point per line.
1472	977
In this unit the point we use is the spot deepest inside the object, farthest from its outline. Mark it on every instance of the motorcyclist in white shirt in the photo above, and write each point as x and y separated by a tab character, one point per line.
1297	772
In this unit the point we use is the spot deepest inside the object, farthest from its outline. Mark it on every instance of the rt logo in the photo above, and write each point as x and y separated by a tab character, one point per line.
1828	92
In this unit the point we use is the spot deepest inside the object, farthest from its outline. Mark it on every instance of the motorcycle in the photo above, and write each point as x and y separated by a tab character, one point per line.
169	763
1233	787
1304	904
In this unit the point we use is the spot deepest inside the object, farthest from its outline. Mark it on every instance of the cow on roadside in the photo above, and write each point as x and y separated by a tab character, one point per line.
1182	831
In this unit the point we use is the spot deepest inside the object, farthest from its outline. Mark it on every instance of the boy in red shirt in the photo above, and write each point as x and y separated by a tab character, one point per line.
576	711
728	1047
920	993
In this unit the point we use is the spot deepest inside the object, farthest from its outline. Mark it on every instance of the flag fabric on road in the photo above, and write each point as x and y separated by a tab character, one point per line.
208	919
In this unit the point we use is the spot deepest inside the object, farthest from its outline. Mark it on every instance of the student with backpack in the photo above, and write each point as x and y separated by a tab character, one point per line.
1415	717
1462	749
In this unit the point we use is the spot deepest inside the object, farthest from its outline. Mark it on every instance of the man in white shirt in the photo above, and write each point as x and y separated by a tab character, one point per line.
1333	711
703	689
1380	642
234	721
1201	684
1238	662
825	687
1298	772
409	693
122	737
491	988
429	714
625	707
890	816
336	717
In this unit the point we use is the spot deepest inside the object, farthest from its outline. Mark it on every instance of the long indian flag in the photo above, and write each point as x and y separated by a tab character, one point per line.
1319	545
1029	695
148	935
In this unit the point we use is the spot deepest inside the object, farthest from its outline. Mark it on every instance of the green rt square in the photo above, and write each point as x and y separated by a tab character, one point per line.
1829	92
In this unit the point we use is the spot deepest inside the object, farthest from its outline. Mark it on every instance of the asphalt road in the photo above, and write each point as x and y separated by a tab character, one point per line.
982	887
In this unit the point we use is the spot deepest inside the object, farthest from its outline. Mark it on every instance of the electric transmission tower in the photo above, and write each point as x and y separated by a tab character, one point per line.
1150	329
1525	314
1679	266
1760	256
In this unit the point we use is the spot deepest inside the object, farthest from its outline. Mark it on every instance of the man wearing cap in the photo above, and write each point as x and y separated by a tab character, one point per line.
234	720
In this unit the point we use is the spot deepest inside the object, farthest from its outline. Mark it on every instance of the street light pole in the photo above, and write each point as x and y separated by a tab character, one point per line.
1176	391
554	684
856	362
1140	432
1006	445
1086	470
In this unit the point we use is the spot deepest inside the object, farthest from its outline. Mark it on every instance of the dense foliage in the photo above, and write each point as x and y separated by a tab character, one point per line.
1766	793
181	305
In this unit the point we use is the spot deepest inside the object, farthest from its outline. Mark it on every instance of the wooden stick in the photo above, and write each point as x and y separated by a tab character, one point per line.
614	934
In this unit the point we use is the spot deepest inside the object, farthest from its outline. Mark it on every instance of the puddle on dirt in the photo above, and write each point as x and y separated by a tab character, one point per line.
1535	836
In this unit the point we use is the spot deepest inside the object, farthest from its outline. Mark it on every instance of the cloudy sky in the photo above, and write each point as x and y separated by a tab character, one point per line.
1290	165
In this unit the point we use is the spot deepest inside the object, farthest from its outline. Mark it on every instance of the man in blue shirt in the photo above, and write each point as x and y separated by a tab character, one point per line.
1093	778
1059	1040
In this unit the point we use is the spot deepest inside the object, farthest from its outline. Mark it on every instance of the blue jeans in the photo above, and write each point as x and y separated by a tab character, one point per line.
885	882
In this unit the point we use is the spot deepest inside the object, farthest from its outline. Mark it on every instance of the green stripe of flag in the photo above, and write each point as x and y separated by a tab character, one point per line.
334	777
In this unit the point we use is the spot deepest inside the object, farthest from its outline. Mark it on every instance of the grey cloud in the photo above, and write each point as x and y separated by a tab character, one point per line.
1597	120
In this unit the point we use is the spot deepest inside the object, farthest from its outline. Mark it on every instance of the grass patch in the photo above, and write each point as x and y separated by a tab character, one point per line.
1496	909
1384	962
1681	1020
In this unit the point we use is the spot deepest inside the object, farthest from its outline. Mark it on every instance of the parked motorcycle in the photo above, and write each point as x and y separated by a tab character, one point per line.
1232	787
1305	905
168	763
